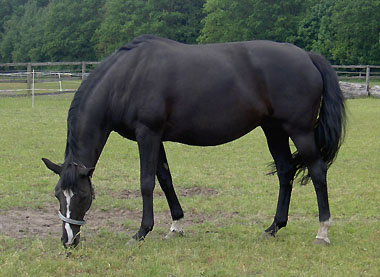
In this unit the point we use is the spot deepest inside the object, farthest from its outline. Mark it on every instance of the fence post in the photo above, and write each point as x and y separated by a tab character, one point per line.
368	71
28	78
60	81
33	90
83	70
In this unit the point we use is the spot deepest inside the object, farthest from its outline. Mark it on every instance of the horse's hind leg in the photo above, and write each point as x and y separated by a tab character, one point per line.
278	143
309	152
165	179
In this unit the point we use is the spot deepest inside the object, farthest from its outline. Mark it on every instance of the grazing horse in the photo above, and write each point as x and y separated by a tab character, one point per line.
154	89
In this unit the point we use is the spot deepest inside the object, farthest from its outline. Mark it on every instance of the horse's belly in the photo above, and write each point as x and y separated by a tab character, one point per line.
209	131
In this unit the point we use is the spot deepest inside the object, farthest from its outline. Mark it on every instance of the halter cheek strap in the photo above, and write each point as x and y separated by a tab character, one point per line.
71	221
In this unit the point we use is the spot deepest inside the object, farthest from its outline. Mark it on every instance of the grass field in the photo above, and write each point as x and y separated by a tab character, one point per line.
227	197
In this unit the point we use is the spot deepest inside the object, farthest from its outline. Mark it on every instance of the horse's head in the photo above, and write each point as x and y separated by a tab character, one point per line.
75	193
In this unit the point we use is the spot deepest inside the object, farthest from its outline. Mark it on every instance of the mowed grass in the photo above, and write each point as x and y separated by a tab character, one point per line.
228	242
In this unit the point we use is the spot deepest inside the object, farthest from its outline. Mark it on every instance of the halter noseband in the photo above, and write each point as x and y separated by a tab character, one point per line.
70	220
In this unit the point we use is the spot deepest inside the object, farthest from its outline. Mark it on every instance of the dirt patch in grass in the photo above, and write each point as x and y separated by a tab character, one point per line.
184	192
24	222
203	191
28	222
43	222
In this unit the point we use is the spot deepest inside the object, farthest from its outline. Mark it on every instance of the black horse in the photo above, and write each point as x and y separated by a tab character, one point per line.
154	89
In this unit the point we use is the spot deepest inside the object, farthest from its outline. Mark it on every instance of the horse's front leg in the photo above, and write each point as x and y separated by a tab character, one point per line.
149	144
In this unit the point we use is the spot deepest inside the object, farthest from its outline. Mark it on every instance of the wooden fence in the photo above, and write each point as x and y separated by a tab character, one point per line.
29	70
364	72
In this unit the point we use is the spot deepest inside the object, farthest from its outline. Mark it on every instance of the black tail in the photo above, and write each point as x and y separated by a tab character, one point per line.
330	127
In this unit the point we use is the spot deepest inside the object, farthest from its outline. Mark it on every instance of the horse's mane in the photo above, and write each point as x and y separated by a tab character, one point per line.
88	86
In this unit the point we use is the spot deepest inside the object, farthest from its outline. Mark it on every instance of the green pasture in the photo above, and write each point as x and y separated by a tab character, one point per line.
239	205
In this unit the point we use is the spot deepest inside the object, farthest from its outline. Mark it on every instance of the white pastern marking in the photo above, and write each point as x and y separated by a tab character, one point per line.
68	194
323	230
177	225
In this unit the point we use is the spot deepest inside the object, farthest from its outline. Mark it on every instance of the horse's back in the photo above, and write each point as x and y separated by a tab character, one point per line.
214	93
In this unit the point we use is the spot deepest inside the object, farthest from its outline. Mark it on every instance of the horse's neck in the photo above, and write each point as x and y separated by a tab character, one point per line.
89	138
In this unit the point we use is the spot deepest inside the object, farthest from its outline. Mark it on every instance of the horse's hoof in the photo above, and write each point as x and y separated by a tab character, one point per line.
325	241
174	234
267	235
131	242
134	241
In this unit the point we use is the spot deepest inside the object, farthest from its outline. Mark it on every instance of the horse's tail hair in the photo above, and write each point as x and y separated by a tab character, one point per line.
330	127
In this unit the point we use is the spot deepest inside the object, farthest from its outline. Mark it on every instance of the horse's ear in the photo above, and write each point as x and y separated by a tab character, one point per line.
87	172
57	169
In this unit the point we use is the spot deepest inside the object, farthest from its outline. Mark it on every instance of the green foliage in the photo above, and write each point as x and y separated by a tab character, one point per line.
345	31
50	30
309	28
69	28
178	20
356	26
124	20
120	24
22	39
251	19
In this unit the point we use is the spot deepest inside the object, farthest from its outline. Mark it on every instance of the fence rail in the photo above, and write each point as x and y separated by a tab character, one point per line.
364	72
29	67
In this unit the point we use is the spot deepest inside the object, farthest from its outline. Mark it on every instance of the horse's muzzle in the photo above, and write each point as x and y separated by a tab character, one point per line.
73	244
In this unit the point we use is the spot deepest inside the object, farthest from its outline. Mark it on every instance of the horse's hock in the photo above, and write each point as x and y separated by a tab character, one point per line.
353	90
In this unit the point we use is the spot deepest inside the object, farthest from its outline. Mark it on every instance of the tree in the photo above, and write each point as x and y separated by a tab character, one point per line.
178	20
124	20
345	31
355	29
225	21
69	27
23	33
310	25
252	19
8	8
